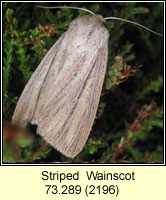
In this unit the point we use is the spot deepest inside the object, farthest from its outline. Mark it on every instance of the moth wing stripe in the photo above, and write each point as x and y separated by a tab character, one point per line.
86	110
103	55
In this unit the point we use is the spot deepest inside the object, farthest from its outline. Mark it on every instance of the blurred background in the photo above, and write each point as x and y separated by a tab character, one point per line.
129	124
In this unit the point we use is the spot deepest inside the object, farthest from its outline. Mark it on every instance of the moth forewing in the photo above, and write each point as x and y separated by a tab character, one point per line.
63	102
26	106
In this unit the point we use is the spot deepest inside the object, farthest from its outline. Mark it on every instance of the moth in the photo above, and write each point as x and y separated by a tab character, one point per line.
63	94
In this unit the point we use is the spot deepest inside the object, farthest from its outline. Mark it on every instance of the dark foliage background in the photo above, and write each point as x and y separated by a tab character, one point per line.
129	123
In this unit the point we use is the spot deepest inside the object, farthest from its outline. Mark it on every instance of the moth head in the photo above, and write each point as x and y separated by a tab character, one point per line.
101	19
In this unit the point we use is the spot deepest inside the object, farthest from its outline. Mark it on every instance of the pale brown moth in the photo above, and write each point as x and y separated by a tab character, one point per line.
63	94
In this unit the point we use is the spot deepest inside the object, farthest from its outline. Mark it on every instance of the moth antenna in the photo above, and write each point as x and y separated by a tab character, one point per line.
77	8
131	22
